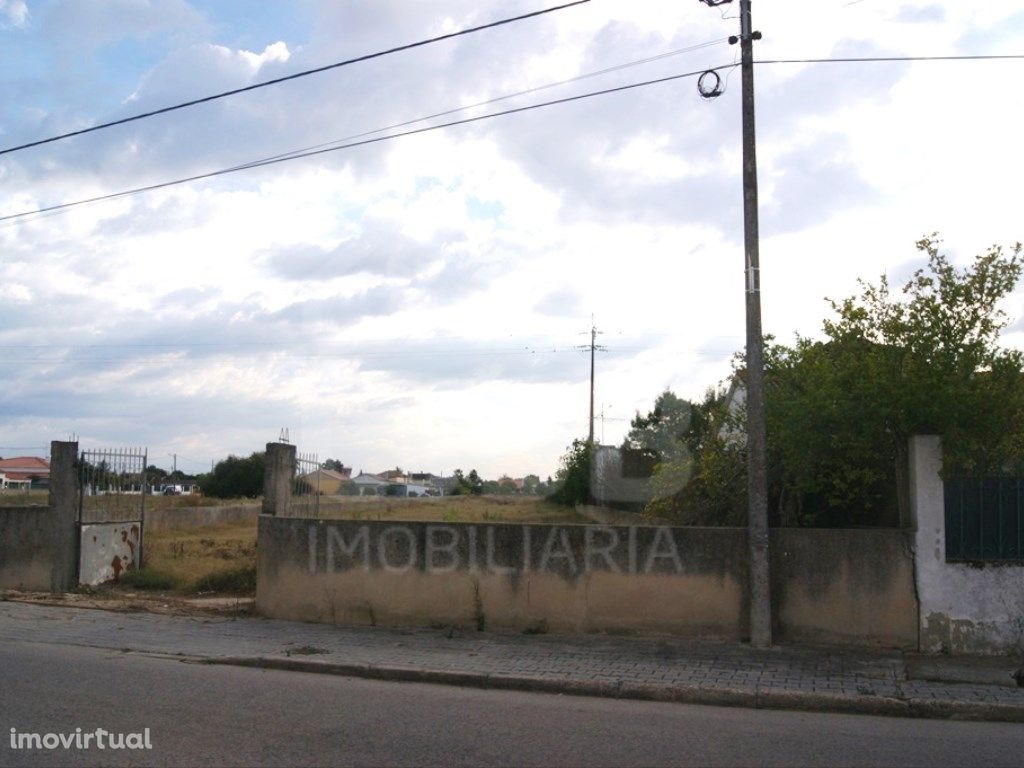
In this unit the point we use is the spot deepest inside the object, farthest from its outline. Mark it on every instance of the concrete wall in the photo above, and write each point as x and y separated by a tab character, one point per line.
844	586
832	586
26	548
964	607
196	517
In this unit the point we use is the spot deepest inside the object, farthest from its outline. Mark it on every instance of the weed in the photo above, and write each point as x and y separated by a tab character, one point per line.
540	628
305	650
233	581
147	578
478	607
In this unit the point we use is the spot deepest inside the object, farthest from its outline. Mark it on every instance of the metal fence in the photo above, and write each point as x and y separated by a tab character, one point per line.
985	519
112	485
306	486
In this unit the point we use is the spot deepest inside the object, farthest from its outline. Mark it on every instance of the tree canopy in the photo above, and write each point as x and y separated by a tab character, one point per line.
841	408
234	477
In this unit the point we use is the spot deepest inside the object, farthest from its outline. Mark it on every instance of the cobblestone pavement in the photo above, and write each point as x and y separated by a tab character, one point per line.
664	668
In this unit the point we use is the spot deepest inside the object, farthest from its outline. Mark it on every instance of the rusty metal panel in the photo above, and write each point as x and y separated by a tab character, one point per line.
109	550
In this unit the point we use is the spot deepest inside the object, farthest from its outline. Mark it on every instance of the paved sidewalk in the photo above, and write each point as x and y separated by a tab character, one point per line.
654	668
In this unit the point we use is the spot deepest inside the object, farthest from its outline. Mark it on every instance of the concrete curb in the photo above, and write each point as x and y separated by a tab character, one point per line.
751	698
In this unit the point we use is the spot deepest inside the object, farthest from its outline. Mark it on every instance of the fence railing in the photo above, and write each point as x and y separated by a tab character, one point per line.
985	519
306	487
112	485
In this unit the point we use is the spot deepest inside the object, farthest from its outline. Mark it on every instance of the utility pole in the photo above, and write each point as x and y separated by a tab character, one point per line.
757	474
593	346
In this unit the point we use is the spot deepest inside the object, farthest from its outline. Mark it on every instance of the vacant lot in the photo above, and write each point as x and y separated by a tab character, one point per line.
222	559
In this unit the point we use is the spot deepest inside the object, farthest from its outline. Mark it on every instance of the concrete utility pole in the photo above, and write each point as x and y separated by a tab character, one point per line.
593	344
757	447
593	347
757	473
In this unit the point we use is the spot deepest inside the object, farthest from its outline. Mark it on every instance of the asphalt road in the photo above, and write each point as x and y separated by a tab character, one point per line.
215	715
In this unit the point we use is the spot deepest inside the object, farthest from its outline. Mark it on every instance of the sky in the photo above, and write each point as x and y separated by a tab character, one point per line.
418	302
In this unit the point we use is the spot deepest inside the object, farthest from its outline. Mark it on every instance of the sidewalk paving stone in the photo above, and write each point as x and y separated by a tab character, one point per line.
658	668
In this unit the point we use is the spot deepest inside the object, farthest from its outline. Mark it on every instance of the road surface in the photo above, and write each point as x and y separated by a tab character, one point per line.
218	715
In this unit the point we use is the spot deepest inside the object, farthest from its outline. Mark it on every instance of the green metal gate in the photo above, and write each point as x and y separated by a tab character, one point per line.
985	519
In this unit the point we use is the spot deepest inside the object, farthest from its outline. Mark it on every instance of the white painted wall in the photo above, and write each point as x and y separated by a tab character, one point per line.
964	608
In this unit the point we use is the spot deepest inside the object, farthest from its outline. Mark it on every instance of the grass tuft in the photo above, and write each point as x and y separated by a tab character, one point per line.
147	578
237	581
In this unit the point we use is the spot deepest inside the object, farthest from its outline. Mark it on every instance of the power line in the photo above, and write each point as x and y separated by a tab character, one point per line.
506	97
353	144
871	59
294	76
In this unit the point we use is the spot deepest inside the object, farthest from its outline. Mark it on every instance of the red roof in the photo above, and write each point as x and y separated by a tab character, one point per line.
24	467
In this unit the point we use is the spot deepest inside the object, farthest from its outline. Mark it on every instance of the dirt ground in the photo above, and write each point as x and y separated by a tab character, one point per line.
122	600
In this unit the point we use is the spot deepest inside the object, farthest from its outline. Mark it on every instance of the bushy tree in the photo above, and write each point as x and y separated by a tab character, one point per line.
234	477
922	361
572	480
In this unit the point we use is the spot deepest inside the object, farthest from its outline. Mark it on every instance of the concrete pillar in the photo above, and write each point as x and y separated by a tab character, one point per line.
64	515
278	479
928	522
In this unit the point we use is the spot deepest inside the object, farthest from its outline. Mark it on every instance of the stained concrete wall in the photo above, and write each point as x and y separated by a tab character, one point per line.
26	548
833	586
964	607
844	586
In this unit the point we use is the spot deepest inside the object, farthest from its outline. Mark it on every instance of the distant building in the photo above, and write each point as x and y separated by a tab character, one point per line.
370	485
24	472
327	481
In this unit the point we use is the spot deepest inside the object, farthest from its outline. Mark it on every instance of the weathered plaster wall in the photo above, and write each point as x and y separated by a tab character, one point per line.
832	585
26	548
844	586
965	608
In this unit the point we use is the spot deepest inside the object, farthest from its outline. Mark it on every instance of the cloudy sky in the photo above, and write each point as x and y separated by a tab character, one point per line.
418	301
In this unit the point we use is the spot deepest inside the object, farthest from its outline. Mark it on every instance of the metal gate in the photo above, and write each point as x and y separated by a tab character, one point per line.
305	501
111	513
985	519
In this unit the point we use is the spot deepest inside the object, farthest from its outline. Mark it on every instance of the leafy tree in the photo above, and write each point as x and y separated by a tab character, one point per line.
334	465
572	481
840	412
235	476
674	426
465	485
476	485
530	484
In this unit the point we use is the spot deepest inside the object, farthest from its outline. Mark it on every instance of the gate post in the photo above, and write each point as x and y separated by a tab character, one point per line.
278	479
64	514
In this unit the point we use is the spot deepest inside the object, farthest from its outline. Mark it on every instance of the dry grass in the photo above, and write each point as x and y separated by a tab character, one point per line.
221	559
450	509
202	558
10	498
13	498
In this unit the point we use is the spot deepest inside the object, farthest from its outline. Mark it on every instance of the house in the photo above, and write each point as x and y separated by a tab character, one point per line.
395	475
327	481
407	490
370	485
435	484
24	472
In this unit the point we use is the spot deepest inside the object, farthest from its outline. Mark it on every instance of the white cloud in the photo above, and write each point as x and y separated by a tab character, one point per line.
13	13
407	301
